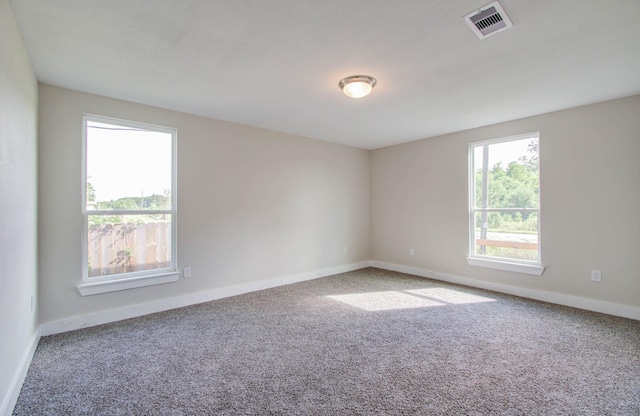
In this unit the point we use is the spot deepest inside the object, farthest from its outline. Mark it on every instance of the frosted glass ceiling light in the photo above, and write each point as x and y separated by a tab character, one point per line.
357	86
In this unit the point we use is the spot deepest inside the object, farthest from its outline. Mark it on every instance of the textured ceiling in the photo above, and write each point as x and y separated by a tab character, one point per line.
276	63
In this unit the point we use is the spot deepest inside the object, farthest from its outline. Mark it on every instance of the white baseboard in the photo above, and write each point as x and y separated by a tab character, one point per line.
551	297
11	397
113	315
98	318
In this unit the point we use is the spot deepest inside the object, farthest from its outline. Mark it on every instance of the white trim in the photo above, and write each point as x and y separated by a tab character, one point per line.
129	211
88	282
513	138
495	263
594	305
115	278
537	265
113	315
94	288
13	392
129	123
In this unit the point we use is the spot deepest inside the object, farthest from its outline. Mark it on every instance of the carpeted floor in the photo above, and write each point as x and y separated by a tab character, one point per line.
365	342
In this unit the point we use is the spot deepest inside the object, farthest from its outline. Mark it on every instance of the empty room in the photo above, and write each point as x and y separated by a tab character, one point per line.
319	207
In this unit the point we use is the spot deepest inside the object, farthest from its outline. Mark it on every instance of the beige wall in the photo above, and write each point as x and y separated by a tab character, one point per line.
590	196
18	241
252	204
255	204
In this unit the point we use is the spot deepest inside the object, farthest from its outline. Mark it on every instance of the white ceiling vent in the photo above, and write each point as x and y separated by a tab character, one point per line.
488	20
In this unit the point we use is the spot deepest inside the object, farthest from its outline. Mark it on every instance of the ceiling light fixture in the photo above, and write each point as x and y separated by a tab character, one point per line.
357	86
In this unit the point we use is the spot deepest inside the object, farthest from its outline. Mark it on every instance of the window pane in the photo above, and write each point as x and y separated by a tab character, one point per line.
479	167
507	174
128	243
127	168
512	235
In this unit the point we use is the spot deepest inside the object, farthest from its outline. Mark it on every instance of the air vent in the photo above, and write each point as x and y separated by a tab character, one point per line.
488	20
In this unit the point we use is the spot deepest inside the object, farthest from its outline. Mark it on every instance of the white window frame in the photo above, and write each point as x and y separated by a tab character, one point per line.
103	284
514	265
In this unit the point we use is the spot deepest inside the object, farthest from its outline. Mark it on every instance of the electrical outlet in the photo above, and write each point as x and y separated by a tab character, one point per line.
345	250
411	252
186	272
596	276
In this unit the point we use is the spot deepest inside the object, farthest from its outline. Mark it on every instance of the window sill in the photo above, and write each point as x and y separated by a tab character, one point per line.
503	265
87	289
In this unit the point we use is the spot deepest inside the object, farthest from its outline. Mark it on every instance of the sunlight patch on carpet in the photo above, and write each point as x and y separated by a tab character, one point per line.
409	299
450	296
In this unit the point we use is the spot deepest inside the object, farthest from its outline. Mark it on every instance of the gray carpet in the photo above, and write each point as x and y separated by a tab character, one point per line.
365	342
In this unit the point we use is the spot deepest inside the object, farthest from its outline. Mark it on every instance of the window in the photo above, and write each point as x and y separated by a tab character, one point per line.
504	199
129	205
